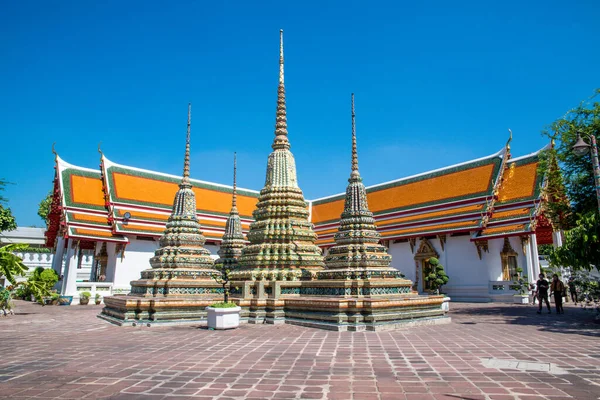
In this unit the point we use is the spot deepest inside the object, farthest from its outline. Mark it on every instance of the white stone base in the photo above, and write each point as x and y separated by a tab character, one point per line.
521	299
446	304
223	318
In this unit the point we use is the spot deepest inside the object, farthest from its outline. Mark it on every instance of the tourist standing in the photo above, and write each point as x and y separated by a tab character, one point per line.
557	288
572	289
542	291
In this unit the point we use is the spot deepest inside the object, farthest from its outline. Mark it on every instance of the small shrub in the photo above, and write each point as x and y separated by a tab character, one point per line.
85	295
223	305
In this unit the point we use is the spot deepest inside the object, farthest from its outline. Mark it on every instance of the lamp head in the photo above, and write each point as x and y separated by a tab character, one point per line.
580	147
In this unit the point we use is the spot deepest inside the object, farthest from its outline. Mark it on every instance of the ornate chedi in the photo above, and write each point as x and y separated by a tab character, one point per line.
233	238
179	284
282	240
357	252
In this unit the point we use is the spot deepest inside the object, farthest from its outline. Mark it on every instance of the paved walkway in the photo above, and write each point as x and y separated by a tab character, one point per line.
489	351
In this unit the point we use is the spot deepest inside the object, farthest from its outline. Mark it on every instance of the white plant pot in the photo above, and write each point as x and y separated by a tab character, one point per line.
521	299
446	304
223	318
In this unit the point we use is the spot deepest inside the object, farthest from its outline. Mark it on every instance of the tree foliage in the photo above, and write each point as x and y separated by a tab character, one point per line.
7	220
581	247
436	276
576	172
44	207
11	266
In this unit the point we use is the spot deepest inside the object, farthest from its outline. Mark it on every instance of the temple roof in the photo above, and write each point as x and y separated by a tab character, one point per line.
82	208
450	199
518	202
147	196
490	197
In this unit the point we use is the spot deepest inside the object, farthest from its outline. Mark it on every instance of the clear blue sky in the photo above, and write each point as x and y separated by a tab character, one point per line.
436	83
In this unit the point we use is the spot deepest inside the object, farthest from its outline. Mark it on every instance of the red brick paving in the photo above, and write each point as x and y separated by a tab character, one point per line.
67	353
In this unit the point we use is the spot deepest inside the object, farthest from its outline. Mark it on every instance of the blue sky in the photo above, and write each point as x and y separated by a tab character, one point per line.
436	83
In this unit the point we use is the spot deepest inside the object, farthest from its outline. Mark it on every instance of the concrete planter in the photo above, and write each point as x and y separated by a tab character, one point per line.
521	299
446	304
223	318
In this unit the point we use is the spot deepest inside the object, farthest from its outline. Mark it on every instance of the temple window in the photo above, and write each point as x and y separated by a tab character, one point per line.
509	261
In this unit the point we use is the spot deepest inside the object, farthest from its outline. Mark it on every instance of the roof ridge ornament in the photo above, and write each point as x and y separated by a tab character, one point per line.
54	152
100	150
508	142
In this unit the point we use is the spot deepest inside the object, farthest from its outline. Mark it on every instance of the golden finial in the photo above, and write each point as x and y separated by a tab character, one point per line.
186	162
99	149
509	140
281	80
354	149
281	140
234	197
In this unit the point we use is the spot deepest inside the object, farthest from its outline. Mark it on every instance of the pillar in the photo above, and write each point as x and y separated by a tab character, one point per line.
535	258
557	238
57	260
69	286
531	277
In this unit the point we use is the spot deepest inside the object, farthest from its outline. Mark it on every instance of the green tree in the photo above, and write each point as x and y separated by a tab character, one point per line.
12	267
7	220
581	247
44	207
575	173
436	276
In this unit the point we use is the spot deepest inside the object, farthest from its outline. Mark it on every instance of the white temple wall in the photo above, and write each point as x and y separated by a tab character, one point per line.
213	248
136	258
403	259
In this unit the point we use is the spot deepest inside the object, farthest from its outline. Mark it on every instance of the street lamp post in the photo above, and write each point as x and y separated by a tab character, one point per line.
581	148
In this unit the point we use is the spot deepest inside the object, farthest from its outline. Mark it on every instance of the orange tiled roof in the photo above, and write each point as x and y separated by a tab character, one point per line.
131	186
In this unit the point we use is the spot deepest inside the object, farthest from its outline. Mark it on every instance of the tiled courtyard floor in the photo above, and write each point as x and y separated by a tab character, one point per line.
66	352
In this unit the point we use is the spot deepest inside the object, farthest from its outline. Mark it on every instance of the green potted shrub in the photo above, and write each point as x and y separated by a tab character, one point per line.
223	315
437	278
98	299
521	286
84	298
54	298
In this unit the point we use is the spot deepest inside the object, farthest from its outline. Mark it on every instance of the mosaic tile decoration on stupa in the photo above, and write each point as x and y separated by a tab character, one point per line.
281	275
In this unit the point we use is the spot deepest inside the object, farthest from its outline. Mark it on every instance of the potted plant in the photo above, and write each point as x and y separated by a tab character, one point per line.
98	299
520	285
84	298
437	278
223	315
54	298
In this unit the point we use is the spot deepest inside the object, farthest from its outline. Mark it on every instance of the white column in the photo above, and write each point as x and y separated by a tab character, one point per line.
531	277
57	261
69	286
557	238
535	258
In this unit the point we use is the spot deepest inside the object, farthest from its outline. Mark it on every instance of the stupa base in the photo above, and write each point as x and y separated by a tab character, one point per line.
340	305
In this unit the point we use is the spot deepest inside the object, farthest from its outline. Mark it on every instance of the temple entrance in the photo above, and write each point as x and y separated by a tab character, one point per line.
423	268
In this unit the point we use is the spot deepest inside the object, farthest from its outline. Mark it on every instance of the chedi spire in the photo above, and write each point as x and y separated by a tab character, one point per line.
233	238
281	236
357	245
182	243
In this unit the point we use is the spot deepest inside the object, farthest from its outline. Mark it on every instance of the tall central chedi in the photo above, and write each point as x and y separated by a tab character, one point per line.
281	237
